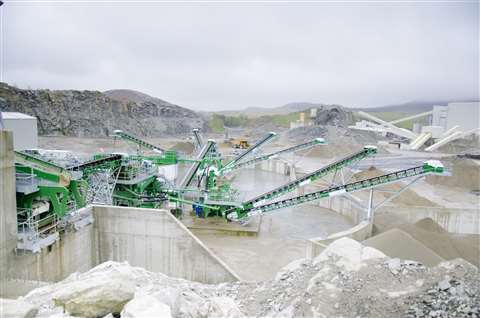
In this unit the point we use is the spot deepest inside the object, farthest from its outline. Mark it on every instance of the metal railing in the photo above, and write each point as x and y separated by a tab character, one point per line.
132	172
34	227
26	182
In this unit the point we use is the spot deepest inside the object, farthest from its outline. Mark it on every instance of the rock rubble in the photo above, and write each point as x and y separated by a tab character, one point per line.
346	280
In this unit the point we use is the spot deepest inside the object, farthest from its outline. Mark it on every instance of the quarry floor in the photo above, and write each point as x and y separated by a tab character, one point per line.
282	234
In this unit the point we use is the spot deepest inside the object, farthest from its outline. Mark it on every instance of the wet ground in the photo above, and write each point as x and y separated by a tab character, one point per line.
282	233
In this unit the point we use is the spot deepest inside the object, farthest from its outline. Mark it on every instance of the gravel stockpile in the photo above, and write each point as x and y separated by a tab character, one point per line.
340	140
449	298
346	280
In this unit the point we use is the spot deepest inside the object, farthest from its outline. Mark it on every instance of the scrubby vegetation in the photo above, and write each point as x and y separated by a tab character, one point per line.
217	122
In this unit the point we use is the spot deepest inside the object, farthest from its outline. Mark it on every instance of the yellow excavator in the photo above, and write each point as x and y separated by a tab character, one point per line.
239	143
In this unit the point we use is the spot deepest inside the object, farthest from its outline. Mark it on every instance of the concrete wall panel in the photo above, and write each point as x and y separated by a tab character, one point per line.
73	252
461	221
24	132
465	115
8	208
157	241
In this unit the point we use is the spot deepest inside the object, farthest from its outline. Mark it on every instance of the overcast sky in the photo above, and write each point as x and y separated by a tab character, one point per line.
225	56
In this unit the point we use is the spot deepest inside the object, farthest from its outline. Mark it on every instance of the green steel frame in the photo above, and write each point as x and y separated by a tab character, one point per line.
426	169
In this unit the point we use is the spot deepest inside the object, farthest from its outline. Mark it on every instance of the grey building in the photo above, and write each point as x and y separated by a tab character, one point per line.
465	115
24	127
439	116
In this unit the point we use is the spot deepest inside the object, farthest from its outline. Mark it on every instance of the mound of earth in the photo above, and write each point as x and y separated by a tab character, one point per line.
431	235
96	114
341	141
397	243
184	147
469	144
465	174
347	279
407	198
333	115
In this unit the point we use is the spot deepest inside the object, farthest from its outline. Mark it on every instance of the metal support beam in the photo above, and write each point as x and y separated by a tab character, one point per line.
370	206
257	145
249	209
397	193
230	167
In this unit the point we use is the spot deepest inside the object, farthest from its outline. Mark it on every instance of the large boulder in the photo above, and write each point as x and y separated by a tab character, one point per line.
10	308
96	296
349	254
145	306
102	290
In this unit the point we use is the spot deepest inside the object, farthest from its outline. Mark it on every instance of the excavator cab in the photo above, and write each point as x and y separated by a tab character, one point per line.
240	143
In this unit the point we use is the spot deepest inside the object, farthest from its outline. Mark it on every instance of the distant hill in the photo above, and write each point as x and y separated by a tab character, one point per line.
301	106
408	107
281	110
411	107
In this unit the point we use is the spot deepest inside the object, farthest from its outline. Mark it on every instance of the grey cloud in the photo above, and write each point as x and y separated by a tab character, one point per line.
212	56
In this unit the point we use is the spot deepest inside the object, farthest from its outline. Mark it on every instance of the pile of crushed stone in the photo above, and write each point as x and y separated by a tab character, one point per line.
341	141
447	299
346	280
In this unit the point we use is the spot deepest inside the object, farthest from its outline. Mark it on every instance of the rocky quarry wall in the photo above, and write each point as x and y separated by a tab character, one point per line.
96	114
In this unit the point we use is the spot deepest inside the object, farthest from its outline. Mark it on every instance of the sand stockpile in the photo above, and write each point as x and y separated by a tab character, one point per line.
407	198
469	144
432	236
184	147
397	243
465	174
341	141
331	150
427	224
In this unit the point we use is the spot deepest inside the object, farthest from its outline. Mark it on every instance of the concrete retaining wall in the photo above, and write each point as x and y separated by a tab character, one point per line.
277	166
73	252
152	239
8	208
344	207
359	232
156	241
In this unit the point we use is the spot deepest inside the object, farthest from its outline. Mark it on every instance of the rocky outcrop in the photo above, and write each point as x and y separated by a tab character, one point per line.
346	280
96	114
333	115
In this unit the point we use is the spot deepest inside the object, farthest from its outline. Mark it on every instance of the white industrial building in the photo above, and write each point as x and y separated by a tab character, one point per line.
464	115
439	116
448	123
24	129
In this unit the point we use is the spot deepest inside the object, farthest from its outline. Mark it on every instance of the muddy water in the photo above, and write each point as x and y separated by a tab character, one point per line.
282	233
